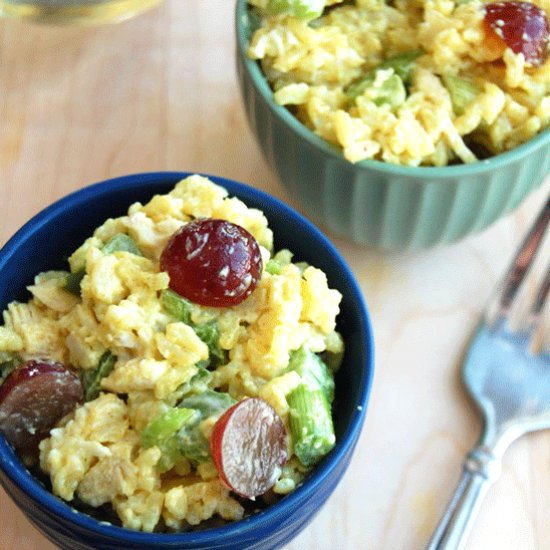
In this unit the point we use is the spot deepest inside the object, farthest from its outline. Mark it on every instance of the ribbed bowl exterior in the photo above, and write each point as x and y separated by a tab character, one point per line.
378	204
54	233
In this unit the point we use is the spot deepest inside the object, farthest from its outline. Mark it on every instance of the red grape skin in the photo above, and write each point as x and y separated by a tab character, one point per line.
212	262
249	448
33	398
522	26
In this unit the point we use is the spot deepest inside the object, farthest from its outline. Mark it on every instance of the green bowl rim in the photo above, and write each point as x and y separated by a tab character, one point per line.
432	172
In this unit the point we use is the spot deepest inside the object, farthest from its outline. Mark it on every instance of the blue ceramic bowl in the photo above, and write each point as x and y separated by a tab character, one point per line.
43	244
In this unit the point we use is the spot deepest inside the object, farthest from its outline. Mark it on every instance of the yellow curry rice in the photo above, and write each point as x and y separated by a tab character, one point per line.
313	64
97	453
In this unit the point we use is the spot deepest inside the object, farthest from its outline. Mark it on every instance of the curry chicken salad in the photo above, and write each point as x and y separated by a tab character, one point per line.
411	82
179	369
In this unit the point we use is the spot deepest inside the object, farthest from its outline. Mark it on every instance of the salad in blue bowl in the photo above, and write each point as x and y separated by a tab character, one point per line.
186	362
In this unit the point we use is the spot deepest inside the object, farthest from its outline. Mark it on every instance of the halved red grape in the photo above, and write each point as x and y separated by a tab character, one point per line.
248	445
33	398
522	26
212	262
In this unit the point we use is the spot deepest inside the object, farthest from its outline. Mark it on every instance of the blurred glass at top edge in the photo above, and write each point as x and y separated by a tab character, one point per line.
75	11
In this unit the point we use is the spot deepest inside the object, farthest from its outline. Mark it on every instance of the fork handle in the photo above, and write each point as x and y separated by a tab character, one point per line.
480	470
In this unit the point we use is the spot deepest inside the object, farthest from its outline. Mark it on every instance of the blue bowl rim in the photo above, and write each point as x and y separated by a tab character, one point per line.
428	172
20	476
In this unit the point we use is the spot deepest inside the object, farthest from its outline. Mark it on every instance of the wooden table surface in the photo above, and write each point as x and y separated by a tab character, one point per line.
159	92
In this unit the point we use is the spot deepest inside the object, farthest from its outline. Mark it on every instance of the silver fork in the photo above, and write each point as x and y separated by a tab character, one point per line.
510	386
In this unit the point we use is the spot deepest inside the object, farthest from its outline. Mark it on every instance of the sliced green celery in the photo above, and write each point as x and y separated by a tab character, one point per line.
402	65
392	92
121	243
208	403
462	92
275	264
73	280
198	383
91	378
177	306
166	425
209	333
313	371
311	424
193	444
118	243
180	308
163	432
273	267
170	453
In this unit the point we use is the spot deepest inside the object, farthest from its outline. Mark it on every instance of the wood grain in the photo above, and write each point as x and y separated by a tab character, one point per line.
78	105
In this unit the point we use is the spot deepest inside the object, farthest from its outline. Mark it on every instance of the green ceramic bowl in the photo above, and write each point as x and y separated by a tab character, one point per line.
375	203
